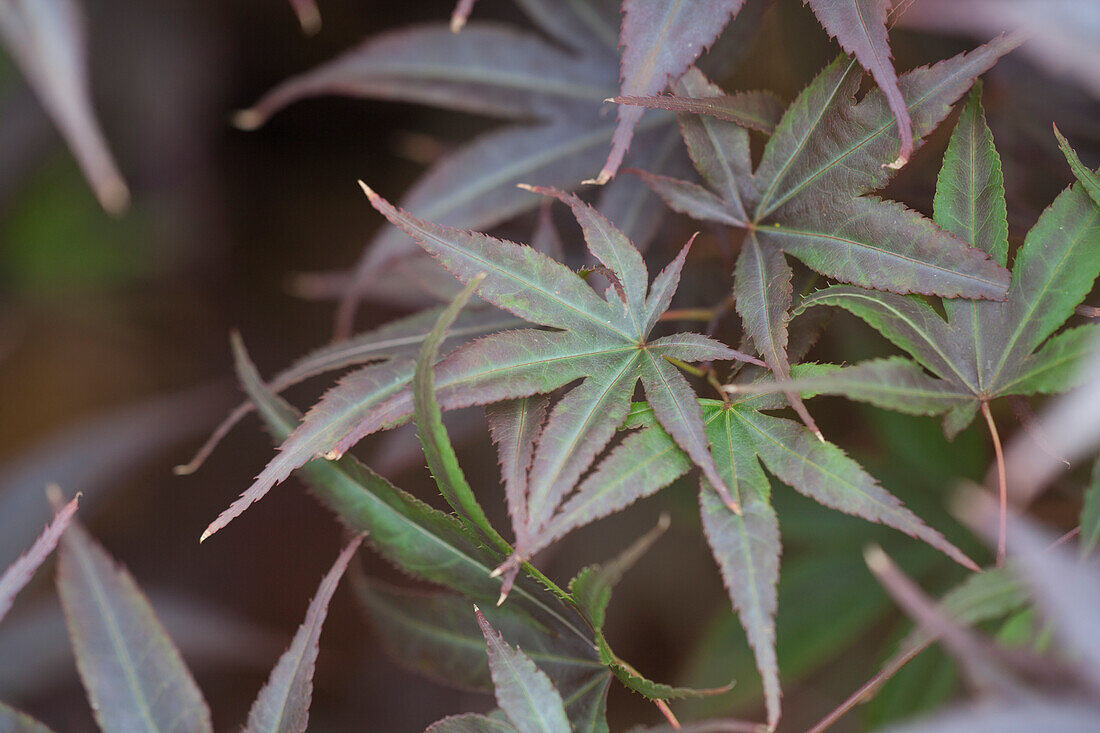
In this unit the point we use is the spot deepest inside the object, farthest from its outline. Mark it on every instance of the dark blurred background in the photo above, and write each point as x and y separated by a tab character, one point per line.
114	361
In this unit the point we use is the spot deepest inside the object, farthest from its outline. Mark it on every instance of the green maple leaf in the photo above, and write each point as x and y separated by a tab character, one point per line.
605	343
982	350
746	546
807	198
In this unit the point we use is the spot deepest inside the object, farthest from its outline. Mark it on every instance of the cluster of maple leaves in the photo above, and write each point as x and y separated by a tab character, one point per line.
556	354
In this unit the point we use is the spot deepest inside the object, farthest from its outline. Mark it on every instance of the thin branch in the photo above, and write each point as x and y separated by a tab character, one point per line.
1065	538
1002	483
871	687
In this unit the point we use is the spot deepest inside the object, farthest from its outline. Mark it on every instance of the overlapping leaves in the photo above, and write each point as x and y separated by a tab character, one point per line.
432	632
556	90
746	546
1025	690
603	341
982	350
661	39
807	198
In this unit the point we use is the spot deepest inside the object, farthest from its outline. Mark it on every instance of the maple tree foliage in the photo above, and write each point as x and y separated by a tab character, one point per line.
603	341
807	197
589	387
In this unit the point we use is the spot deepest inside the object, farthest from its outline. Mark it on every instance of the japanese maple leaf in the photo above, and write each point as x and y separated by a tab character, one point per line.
982	350
805	198
746	546
604	342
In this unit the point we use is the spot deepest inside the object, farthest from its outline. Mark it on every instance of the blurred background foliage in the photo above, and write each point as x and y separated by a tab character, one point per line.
107	325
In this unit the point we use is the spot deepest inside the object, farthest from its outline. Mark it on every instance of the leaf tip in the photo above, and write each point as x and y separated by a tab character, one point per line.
113	195
184	469
247	120
603	177
458	22
206	534
877	559
368	190
309	17
897	164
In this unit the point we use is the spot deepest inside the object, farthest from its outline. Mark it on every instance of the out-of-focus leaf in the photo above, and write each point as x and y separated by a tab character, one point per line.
523	691
1090	513
418	539
981	597
13	721
22	570
95	454
1066	591
490	70
46	39
35	651
923	685
461	14
974	655
309	17
1007	717
1061	33
133	674
283	703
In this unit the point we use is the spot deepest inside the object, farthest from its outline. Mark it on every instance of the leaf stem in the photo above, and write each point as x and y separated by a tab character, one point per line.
1002	483
869	688
692	370
688	314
